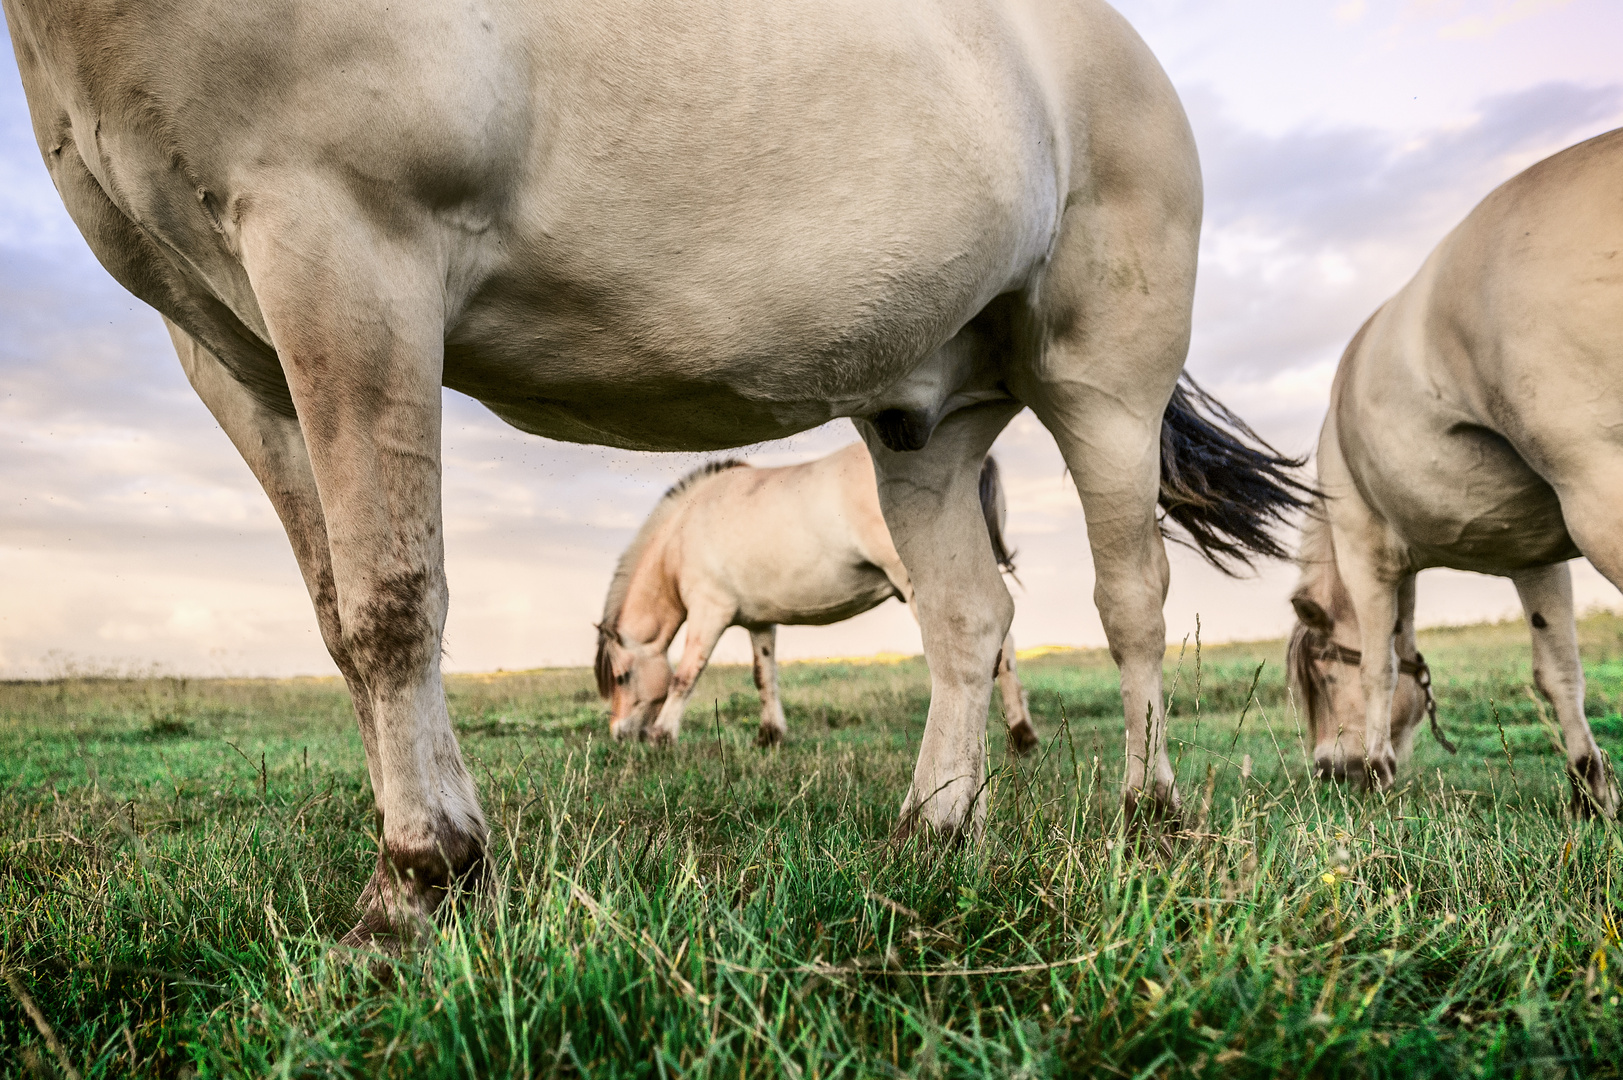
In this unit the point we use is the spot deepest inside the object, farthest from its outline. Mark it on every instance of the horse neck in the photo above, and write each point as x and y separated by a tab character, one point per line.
1321	576
653	608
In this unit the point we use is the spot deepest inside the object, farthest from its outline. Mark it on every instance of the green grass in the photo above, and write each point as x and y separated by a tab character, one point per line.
176	858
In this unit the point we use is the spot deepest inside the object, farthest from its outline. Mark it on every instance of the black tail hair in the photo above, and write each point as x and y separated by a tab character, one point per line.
1225	487
992	509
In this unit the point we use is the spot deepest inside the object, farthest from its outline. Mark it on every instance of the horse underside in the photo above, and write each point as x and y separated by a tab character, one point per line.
921	215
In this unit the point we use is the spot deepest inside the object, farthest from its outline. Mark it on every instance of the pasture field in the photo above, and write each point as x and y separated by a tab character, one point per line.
177	857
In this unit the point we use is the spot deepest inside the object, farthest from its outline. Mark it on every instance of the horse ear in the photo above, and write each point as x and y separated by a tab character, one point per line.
1312	614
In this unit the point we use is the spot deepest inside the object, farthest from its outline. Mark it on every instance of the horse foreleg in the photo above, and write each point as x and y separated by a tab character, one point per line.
356	319
705	625
1546	596
1372	571
273	448
1016	705
931	503
764	642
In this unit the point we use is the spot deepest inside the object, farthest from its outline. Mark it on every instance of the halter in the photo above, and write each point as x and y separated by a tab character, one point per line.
1417	668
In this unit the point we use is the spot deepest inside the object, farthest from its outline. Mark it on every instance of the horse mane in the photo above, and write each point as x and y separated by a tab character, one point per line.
1316	558
620	584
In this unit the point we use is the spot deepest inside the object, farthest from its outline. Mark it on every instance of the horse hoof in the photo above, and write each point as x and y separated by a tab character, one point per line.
1591	793
768	736
941	823
1162	809
661	736
1023	738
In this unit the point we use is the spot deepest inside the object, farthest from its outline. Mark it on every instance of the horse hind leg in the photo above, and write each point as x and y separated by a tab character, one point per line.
931	503
1546	596
1016	705
764	644
1594	519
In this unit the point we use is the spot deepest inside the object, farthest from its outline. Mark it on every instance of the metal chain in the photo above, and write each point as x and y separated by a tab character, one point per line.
1340	654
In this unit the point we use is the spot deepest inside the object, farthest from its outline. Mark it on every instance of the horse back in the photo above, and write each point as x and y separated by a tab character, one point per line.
1495	376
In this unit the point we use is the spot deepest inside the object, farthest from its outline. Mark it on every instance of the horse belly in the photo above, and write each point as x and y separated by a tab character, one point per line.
1474	504
818	598
758	225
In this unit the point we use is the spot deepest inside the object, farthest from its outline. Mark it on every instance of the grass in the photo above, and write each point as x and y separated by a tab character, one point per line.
177	856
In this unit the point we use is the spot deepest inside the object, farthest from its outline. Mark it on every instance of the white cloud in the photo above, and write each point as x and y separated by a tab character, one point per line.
131	531
1498	16
1351	12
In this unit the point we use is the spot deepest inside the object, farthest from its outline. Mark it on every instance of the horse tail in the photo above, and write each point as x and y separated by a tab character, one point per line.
1225	487
994	511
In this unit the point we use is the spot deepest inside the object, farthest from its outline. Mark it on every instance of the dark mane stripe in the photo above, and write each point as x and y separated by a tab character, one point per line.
1305	678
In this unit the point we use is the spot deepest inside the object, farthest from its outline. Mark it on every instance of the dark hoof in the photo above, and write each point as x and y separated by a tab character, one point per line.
768	736
1161	810
1591	792
1023	738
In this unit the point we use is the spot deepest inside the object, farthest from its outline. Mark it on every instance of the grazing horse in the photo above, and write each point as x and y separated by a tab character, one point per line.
662	225
731	545
1476	421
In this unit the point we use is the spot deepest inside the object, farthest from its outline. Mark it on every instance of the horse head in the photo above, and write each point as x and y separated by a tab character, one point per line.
1323	664
634	677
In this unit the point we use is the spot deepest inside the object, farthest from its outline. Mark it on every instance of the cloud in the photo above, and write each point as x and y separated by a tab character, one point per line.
1352	11
1503	14
130	530
1308	232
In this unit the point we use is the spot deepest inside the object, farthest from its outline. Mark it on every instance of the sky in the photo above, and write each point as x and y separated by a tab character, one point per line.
1339	142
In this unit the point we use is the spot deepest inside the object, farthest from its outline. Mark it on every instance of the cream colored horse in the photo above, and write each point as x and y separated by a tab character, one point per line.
732	545
659	224
1476	422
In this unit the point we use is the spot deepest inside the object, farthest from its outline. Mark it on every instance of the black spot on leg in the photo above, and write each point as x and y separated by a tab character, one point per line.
1397	628
452	857
1538	621
766	650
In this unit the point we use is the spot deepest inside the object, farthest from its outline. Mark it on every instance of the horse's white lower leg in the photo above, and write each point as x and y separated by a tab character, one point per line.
705	626
931	500
764	645
1114	457
1016	706
1546	596
360	337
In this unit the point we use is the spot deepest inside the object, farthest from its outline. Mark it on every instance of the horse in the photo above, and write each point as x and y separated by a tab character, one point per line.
1475	422
672	225
732	545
